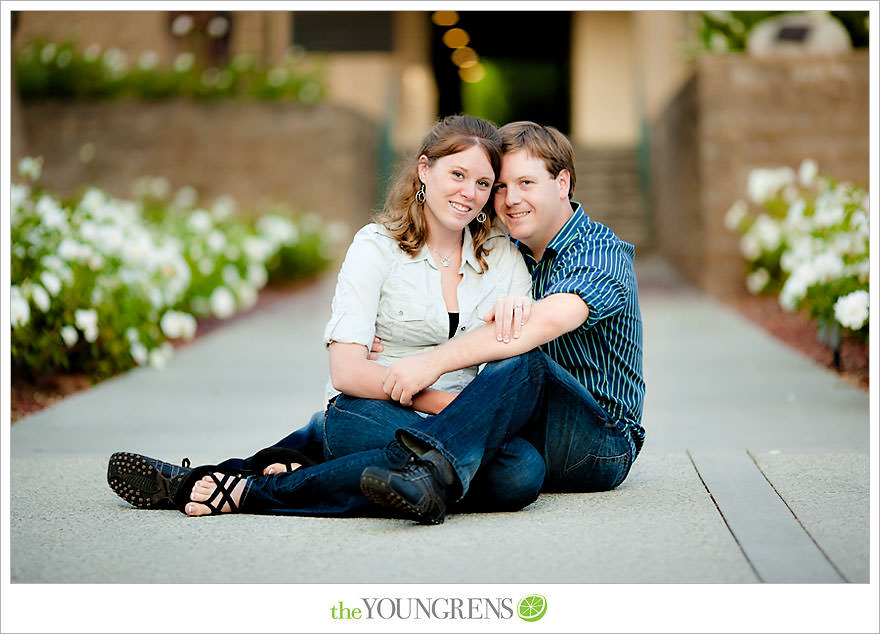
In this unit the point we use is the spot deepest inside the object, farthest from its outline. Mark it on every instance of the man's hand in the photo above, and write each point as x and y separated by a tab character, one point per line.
407	377
375	349
509	314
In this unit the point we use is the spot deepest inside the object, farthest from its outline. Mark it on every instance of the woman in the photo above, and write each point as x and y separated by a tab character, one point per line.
432	265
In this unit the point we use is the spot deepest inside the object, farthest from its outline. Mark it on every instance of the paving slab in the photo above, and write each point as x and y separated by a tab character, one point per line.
829	494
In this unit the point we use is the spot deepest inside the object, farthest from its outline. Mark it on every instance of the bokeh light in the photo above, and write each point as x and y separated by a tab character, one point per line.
454	38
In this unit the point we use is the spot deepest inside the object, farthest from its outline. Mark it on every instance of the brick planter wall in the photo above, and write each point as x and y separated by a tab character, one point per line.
738	113
315	158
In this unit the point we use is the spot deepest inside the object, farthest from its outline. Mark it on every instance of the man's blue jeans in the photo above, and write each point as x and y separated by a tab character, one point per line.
521	424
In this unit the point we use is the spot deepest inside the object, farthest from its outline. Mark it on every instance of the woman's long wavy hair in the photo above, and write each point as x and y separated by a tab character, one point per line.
404	216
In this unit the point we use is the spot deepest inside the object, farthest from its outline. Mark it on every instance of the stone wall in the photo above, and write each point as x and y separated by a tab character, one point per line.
316	158
738	113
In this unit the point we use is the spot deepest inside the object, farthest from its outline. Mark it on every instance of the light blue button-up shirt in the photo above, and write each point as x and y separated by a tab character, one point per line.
381	291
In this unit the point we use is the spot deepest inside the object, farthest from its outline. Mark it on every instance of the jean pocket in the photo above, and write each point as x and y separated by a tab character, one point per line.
595	473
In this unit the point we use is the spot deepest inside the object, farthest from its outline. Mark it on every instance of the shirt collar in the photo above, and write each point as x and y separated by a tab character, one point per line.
565	234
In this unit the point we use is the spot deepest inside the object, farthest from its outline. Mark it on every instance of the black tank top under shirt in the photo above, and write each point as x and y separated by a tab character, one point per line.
453	324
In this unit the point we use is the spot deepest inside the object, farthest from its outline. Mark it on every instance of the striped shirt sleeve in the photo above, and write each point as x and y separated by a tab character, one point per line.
597	276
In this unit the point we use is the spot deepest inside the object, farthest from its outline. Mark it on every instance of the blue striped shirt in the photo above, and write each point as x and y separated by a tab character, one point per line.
605	353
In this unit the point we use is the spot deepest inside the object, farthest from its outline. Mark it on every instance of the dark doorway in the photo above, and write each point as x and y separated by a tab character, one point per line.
525	67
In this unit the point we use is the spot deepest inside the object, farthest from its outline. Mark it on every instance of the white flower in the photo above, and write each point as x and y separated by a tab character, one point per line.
148	60
47	54
216	241
139	353
184	62
92	52
132	335
176	324
757	280
278	229
18	196
231	276
51	282
86	319
181	25
224	207
51	213
764	184
186	197
19	310
278	76
222	302
206	266
257	249
795	287
337	230
767	232
750	247
218	26
159	356
64	58
829	209
828	266
200	221
851	311
257	275
31	167
795	219
807	172
40	297
735	215
247	295
69	335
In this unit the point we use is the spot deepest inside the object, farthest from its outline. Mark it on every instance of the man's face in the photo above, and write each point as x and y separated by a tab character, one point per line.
529	201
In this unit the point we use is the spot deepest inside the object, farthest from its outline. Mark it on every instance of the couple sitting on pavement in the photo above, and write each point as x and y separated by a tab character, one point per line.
412	424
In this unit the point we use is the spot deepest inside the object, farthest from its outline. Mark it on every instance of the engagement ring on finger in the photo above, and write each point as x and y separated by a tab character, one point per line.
518	306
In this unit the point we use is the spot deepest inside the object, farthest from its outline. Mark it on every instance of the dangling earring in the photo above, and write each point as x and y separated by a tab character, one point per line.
481	217
420	195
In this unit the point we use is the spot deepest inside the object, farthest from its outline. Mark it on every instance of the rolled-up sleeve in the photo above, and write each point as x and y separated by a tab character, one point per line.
358	287
597	277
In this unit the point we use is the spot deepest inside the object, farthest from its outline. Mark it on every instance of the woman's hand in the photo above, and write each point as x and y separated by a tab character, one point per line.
509	314
408	376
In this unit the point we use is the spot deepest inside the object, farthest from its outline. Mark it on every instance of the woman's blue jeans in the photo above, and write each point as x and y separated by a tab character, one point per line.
522	425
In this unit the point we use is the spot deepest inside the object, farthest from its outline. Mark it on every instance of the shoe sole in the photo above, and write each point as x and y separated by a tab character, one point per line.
138	482
378	492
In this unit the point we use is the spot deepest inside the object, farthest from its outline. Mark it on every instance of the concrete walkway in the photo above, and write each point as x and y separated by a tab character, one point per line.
755	469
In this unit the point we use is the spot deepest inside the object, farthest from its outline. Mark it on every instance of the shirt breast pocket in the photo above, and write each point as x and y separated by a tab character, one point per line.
402	322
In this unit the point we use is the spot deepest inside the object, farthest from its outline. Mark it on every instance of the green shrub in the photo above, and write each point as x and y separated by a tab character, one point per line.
100	284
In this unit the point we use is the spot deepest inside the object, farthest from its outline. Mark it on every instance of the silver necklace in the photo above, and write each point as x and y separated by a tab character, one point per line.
444	259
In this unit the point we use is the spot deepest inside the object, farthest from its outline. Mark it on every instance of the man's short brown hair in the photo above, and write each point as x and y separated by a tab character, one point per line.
544	142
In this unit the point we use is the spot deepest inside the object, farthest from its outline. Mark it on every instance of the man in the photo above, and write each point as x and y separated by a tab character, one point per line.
580	363
558	409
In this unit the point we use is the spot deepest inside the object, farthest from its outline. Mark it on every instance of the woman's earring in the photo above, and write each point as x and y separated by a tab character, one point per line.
481	217
420	195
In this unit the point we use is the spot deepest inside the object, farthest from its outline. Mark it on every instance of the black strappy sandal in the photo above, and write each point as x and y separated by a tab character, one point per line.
225	485
282	455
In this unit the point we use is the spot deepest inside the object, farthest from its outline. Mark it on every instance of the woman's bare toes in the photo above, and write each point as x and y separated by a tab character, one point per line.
277	467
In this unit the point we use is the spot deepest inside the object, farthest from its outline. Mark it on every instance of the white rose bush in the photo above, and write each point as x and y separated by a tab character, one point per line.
100	284
804	237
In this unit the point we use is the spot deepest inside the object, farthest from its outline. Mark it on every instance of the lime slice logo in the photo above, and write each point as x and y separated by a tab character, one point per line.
532	608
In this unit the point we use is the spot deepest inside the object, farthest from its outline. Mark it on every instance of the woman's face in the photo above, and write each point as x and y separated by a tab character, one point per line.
457	187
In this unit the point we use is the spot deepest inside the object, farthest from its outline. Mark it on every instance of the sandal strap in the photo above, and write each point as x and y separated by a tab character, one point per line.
224	492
